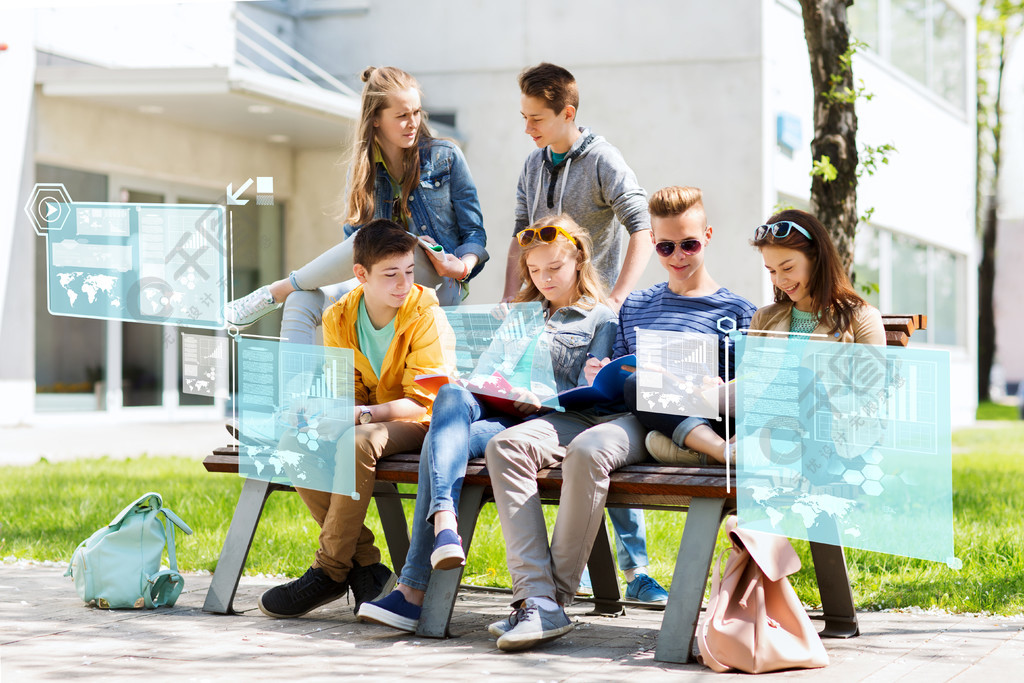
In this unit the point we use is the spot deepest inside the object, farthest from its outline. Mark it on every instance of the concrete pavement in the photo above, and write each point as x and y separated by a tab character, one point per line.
47	634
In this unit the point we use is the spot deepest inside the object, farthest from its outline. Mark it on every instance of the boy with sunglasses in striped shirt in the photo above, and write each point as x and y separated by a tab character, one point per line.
690	301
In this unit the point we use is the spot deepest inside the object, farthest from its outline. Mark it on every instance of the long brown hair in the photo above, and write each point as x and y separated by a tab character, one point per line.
381	83
588	283
831	291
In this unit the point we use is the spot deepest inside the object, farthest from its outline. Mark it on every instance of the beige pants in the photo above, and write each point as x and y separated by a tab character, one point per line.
344	538
589	447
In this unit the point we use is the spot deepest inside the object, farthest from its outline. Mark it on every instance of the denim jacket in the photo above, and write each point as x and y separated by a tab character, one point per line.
444	205
569	334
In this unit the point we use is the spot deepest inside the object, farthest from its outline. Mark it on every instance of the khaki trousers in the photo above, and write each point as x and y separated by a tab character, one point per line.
344	538
589	447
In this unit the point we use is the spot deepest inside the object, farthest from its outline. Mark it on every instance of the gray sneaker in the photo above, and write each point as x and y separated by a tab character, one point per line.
535	625
500	628
250	308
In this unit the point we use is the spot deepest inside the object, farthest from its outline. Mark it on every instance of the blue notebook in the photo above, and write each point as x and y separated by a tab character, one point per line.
607	386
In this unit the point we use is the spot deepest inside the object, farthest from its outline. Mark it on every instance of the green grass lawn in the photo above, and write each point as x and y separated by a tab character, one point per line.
47	509
997	411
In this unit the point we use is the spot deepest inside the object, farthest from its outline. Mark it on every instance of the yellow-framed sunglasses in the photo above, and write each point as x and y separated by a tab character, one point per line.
546	234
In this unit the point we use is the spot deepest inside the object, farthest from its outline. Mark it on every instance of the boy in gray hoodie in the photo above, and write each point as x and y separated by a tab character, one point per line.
582	174
576	172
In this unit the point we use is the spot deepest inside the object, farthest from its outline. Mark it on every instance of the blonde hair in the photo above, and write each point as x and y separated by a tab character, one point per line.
674	200
588	283
381	83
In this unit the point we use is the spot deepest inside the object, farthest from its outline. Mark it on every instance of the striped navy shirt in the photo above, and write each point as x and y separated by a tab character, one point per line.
658	308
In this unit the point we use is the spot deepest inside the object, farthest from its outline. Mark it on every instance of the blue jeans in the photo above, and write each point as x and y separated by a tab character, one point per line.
630	537
459	430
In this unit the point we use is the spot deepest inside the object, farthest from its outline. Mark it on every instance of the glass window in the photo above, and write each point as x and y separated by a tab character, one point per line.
949	35
909	278
69	352
927	39
944	321
863	18
909	36
866	266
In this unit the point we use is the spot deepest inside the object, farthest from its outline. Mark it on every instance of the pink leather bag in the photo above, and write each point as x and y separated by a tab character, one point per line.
754	622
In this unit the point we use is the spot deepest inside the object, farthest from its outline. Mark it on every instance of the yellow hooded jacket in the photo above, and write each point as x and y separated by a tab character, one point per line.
417	348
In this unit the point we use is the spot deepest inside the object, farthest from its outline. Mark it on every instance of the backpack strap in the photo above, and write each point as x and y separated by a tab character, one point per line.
163	588
178	521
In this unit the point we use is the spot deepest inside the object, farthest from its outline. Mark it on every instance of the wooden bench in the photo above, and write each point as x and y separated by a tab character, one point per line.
701	492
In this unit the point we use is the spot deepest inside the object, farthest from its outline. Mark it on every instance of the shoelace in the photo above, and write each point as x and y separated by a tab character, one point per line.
645	582
523	613
310	582
250	303
513	617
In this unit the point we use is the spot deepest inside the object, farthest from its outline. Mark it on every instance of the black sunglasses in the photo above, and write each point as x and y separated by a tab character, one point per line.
689	247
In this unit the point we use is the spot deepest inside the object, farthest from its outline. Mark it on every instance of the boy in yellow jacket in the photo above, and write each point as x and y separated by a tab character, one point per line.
394	328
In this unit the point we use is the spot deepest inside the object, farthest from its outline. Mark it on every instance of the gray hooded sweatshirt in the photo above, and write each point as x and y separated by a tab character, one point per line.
594	185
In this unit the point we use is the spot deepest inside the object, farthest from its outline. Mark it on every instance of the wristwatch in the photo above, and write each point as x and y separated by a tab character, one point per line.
365	416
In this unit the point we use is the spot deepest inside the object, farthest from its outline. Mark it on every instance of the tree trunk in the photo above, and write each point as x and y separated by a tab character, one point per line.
990	224
835	122
986	290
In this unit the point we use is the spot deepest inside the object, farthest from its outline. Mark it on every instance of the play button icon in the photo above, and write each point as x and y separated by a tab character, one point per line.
48	207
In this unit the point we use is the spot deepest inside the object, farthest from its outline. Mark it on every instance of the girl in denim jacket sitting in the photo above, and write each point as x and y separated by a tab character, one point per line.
398	171
555	260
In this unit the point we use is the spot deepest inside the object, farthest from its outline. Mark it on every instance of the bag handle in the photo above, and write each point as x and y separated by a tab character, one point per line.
143	501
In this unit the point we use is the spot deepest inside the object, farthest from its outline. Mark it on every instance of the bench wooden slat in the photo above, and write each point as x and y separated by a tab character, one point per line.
634	480
896	338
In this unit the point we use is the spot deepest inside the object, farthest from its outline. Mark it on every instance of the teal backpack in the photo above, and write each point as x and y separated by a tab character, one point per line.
119	565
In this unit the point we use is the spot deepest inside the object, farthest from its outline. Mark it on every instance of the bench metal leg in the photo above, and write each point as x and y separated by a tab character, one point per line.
443	586
392	518
834	588
231	563
603	576
690	576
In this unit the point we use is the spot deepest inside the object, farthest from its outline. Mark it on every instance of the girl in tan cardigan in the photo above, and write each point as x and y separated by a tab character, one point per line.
813	293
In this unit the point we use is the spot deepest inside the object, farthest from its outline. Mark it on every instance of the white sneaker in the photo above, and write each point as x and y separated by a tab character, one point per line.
250	308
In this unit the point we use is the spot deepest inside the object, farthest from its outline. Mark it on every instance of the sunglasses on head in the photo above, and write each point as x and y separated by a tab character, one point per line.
546	234
688	247
779	230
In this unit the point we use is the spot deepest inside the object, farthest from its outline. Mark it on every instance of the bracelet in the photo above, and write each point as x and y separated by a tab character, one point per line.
465	274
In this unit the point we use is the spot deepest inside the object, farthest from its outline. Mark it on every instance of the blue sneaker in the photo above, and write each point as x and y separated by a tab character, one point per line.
447	551
535	625
392	610
646	590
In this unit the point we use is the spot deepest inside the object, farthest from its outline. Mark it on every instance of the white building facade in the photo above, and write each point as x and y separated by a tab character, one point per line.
716	95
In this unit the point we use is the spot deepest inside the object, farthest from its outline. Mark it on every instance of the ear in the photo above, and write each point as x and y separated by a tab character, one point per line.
707	233
569	112
361	273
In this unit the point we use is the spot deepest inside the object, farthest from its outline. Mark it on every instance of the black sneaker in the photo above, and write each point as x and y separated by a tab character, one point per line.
304	594
370	583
